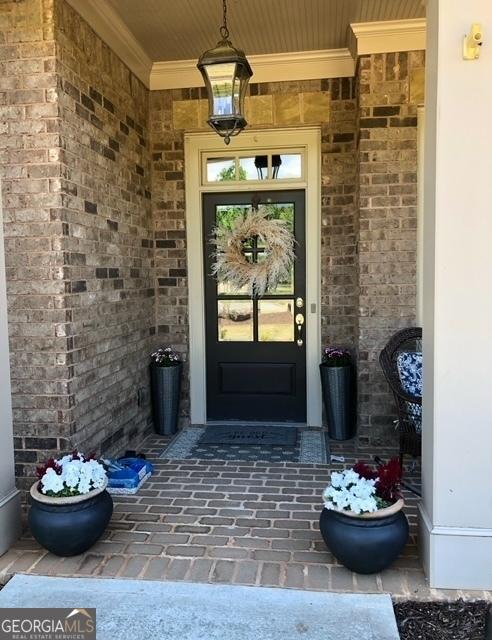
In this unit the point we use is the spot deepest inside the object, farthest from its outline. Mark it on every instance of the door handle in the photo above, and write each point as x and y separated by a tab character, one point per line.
299	325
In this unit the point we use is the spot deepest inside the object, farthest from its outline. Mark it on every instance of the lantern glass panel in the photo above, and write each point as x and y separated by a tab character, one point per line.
221	78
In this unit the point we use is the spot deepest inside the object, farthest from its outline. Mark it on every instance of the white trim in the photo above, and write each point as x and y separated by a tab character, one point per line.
196	144
10	519
10	504
272	67
110	27
472	546
389	35
420	213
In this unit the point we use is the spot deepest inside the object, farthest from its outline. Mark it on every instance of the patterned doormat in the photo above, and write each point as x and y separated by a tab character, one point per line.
310	446
250	435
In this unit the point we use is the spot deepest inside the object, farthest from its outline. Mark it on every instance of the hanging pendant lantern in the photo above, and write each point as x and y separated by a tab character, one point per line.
226	73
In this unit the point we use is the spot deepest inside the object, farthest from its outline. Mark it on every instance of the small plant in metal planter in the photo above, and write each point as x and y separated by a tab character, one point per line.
70	507
338	387
165	371
362	523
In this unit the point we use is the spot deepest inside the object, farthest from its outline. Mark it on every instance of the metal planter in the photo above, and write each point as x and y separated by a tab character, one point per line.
364	545
71	527
166	392
338	388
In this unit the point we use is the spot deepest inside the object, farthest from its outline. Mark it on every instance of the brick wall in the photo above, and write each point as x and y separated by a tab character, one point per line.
108	242
391	87
272	104
76	183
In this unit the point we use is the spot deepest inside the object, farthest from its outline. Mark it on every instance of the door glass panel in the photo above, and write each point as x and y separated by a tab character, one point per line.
225	217
276	320
235	320
287	166
221	169
285	212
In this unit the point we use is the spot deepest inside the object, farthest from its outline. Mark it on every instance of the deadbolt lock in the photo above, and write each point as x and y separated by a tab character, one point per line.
299	303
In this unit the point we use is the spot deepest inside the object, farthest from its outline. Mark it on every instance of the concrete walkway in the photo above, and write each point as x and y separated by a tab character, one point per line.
139	610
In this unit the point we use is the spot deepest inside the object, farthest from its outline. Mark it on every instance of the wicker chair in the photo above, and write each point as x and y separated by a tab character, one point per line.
409	406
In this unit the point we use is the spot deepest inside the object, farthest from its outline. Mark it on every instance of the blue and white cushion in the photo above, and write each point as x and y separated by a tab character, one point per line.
409	365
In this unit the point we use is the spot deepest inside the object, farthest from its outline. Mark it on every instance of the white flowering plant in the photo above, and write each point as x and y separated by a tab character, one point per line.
363	489
165	357
72	475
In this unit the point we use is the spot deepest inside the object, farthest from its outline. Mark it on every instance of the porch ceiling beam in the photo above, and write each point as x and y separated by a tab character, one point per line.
387	36
275	67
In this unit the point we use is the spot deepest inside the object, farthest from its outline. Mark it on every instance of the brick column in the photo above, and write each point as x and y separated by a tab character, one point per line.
390	88
30	169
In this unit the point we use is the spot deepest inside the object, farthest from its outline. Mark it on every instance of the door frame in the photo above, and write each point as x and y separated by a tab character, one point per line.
196	145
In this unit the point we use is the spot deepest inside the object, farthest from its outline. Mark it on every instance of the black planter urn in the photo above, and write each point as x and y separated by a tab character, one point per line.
365	544
338	388
166	391
69	526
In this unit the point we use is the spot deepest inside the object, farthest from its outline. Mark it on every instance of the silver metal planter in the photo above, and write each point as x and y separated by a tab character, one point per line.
339	399
166	391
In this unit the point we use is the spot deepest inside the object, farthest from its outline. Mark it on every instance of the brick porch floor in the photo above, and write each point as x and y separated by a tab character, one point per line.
228	522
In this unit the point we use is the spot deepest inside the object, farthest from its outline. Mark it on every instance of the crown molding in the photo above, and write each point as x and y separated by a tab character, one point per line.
389	36
275	67
111	28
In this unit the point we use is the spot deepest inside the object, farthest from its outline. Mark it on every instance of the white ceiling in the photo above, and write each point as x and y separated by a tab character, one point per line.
183	29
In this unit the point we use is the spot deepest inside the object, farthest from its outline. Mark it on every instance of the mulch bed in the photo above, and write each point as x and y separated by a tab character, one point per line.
442	620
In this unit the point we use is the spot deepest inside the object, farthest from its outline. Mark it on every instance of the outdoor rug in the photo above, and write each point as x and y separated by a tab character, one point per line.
305	445
142	609
250	435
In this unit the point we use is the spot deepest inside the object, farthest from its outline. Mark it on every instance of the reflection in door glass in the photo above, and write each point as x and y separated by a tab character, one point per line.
235	320
281	211
276	320
221	169
255	168
287	166
226	215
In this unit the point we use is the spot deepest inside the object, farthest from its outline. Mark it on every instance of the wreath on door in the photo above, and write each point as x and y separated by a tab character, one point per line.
231	263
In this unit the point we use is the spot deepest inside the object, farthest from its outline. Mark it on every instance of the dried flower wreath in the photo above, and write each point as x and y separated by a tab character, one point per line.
232	265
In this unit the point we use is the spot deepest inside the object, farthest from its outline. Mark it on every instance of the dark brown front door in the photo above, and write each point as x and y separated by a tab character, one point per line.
255	348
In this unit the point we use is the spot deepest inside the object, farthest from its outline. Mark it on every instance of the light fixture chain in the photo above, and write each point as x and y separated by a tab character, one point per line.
224	31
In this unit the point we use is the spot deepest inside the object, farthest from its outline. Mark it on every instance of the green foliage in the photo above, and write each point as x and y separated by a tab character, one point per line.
66	492
229	173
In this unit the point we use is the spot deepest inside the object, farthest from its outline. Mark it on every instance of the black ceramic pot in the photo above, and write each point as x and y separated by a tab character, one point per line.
70	528
338	387
364	545
166	391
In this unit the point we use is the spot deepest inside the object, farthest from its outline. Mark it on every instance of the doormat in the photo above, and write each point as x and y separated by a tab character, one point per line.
249	435
310	447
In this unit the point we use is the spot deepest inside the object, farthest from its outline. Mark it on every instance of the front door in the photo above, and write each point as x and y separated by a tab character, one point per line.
256	347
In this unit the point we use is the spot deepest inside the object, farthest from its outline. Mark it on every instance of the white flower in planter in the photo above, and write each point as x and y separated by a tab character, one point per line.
350	492
71	475
51	481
